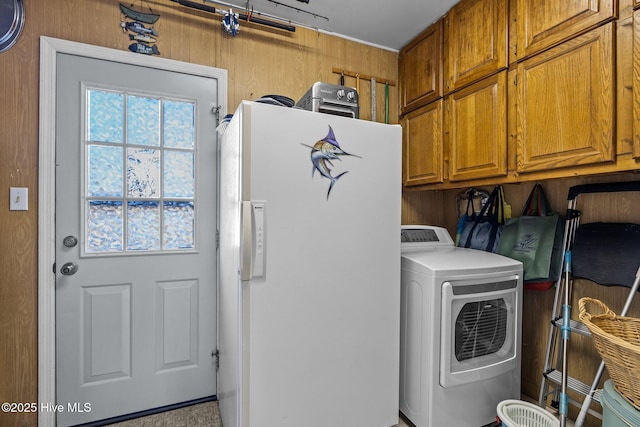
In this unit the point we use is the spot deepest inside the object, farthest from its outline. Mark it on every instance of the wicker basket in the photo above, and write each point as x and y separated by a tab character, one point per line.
516	413
617	339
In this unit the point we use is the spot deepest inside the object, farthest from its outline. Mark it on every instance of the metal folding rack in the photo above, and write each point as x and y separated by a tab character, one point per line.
555	381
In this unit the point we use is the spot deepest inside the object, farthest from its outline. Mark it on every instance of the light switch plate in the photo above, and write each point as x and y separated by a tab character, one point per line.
18	199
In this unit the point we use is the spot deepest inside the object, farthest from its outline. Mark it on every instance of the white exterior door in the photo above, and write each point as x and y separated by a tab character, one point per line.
135	238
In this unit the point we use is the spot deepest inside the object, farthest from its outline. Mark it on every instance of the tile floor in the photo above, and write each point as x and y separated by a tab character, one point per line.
202	415
208	415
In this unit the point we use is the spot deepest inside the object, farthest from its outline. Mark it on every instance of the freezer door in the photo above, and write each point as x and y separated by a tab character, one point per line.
320	315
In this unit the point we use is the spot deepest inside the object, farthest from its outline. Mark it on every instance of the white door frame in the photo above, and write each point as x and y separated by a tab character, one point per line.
49	48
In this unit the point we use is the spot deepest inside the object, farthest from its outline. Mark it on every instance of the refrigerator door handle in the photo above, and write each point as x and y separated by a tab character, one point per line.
259	241
246	262
253	240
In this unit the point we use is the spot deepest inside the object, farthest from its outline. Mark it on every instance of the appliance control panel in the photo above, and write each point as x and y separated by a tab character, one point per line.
331	99
424	237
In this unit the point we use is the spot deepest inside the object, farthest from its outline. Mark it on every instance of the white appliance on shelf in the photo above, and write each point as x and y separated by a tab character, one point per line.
460	339
309	307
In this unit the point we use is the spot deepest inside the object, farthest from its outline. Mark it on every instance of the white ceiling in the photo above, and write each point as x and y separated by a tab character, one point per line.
389	24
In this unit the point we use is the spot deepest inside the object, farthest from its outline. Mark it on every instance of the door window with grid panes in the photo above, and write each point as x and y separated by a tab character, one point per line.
138	188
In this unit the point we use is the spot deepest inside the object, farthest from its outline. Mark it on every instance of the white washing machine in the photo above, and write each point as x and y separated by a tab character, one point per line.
460	339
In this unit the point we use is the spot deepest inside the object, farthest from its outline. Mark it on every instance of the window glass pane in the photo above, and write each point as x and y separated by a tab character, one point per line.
143	173
178	225
178	124
143	121
105	171
143	226
178	174
104	226
105	116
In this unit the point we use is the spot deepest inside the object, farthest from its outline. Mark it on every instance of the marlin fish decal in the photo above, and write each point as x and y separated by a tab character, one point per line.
322	153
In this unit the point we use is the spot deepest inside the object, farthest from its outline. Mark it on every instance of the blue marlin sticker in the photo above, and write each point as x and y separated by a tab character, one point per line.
322	153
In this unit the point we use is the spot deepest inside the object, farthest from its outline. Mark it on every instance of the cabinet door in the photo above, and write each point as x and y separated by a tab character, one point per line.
421	69
544	23
475	41
422	154
476	117
565	105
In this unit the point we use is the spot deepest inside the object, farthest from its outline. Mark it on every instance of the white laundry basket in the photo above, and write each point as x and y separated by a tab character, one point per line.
516	413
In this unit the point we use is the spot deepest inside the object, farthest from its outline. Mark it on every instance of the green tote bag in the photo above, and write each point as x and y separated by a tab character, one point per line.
535	239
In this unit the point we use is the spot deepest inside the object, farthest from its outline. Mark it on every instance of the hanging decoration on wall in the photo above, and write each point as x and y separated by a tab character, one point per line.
230	23
139	28
147	18
144	48
144	37
11	22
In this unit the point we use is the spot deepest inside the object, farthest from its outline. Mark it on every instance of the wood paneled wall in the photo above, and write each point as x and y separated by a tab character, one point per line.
260	61
419	206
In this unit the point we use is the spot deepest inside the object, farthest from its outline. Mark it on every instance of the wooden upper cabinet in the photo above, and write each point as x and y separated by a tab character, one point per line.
541	24
422	148
476	119
475	41
565	104
421	69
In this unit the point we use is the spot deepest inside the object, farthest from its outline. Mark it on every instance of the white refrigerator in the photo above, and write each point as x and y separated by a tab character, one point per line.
309	295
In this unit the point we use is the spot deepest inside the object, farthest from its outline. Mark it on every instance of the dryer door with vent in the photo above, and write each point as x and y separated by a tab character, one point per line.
479	330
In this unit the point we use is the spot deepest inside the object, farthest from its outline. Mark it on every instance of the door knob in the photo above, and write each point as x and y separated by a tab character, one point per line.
69	269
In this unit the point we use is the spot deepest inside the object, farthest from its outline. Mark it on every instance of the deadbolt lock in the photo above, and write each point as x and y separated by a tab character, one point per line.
70	241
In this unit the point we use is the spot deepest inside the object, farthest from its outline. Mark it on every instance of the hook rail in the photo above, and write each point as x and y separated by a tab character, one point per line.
381	80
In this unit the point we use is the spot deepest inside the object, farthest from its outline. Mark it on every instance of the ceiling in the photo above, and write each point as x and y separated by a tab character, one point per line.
390	24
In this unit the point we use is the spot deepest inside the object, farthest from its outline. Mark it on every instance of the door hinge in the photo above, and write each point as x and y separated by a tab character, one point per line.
515	80
216	110
217	239
216	355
